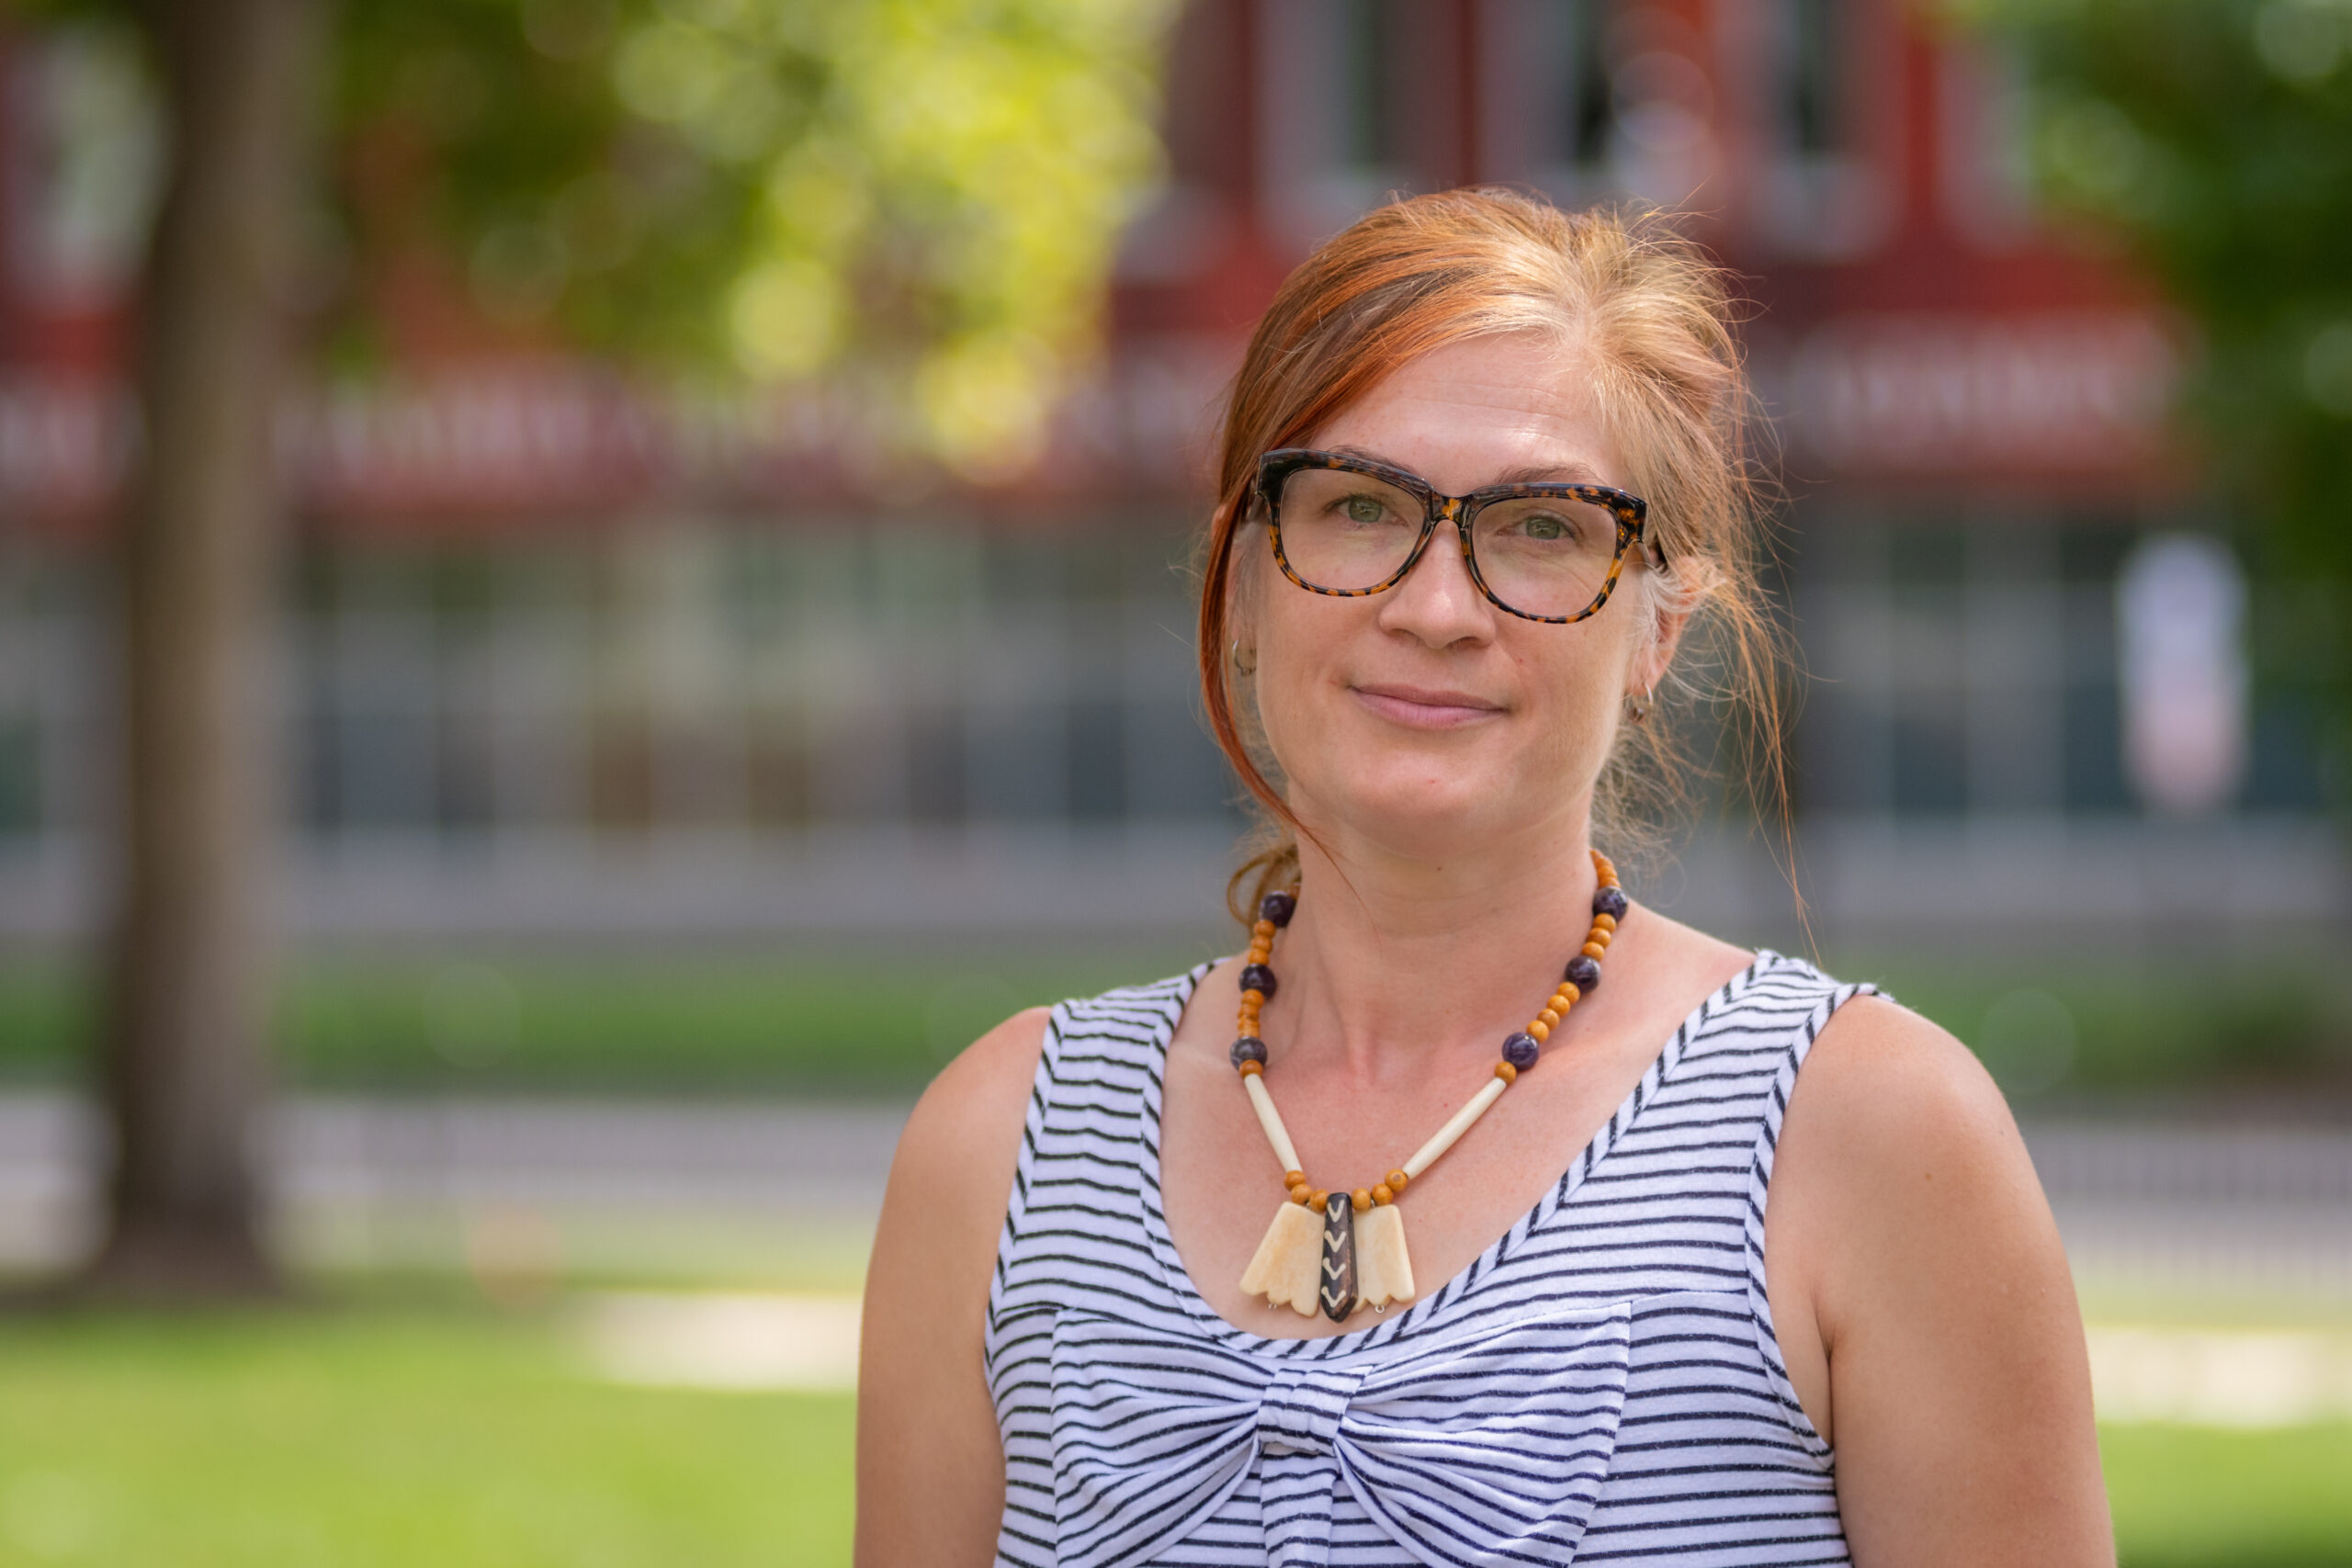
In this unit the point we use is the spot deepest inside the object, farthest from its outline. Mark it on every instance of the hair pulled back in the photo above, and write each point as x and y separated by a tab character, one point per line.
1654	322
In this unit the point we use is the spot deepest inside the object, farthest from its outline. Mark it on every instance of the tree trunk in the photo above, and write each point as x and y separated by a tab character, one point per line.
184	1021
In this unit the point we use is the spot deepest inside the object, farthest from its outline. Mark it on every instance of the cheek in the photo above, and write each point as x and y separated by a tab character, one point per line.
1579	686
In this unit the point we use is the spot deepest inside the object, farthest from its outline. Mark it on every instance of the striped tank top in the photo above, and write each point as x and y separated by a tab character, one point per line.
1601	1386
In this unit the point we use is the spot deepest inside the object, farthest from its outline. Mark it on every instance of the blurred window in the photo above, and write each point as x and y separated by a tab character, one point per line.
1346	96
1812	105
1960	666
1547	104
1373	91
1827	80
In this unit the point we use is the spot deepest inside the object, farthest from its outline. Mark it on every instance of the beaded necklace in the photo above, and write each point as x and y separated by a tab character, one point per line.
1344	1250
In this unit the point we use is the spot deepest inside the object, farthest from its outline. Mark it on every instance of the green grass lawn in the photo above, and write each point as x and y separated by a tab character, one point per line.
2191	1497
456	1438
353	1439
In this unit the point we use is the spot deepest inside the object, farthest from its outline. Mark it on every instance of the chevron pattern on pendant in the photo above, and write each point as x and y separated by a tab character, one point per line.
1338	1287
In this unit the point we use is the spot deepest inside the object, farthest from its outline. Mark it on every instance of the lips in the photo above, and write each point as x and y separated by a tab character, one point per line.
1425	707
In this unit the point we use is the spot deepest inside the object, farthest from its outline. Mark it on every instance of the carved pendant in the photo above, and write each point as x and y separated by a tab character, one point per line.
1285	1269
1383	1273
1339	1283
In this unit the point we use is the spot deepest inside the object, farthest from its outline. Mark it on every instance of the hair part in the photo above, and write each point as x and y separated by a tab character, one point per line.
1655	322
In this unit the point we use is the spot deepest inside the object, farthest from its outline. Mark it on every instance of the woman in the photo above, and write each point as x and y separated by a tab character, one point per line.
1481	473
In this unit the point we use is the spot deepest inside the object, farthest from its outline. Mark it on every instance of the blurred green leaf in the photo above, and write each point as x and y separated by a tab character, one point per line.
923	193
2213	140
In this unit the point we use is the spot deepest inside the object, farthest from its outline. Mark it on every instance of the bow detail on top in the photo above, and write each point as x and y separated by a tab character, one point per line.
1457	1451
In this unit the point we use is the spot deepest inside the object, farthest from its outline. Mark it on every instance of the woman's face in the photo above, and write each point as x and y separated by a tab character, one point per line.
1424	719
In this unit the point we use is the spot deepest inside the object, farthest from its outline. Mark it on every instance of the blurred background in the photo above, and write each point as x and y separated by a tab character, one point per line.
589	589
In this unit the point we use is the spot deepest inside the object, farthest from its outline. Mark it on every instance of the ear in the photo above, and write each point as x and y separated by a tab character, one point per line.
1672	598
1241	588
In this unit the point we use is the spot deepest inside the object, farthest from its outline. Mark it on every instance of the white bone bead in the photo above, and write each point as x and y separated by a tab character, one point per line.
1426	1155
1276	1134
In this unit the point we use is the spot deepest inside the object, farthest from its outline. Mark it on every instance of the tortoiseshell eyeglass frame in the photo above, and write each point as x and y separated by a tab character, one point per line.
1631	511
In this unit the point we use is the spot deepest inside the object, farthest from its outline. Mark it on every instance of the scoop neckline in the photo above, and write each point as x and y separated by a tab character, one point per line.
1427	1306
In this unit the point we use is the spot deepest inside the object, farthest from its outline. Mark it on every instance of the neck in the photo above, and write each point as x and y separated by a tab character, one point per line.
1396	961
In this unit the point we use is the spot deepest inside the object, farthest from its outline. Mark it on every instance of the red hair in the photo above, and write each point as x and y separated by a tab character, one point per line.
1656	324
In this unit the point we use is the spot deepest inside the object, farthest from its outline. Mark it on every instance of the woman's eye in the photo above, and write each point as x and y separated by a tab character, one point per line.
1545	525
1364	508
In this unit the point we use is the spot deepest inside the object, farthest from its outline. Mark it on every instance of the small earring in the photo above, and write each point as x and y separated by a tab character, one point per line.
1246	667
1637	706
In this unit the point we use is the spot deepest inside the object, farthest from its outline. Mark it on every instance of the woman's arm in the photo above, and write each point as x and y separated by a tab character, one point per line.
930	1469
1924	1303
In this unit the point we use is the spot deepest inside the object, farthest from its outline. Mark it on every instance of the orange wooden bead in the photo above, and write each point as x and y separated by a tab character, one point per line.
1396	1178
1541	1030
1263	930
1302	1195
1383	1193
1253	998
1251	1069
1360	1198
1317	1198
1606	922
1567	993
1293	1179
1506	1072
1602	937
1547	1018
1594	950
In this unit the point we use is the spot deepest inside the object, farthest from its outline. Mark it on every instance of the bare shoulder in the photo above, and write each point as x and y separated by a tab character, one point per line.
1900	1168
965	1132
930	1467
1884	1087
1922	1297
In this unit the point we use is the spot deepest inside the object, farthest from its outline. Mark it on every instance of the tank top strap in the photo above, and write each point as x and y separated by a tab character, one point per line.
1815	997
1074	1226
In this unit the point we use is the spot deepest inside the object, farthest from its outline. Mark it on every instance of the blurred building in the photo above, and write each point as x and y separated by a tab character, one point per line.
569	656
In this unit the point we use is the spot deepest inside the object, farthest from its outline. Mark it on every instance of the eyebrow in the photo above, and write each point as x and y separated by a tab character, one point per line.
1537	473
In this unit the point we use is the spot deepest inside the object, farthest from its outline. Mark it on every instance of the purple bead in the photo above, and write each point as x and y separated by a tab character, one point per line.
1521	1050
1248	1048
1584	973
1608	901
1258	978
1278	906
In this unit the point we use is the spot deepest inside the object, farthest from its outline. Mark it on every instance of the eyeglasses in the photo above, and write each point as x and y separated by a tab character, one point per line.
1348	526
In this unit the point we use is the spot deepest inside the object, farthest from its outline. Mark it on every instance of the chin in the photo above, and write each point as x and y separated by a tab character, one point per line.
1413	814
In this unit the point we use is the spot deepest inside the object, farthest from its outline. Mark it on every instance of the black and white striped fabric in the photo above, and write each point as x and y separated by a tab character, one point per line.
1602	1385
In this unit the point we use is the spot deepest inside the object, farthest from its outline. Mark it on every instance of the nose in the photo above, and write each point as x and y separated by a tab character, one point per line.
1438	603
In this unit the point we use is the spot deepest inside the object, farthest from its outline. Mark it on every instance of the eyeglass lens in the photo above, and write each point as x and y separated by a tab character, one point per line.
1540	555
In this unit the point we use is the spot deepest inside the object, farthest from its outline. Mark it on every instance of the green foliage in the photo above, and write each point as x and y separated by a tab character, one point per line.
2215	137
920	196
926	190
802	1022
794	1023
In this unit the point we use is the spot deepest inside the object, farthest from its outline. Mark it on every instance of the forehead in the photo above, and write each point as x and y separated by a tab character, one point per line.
1466	414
